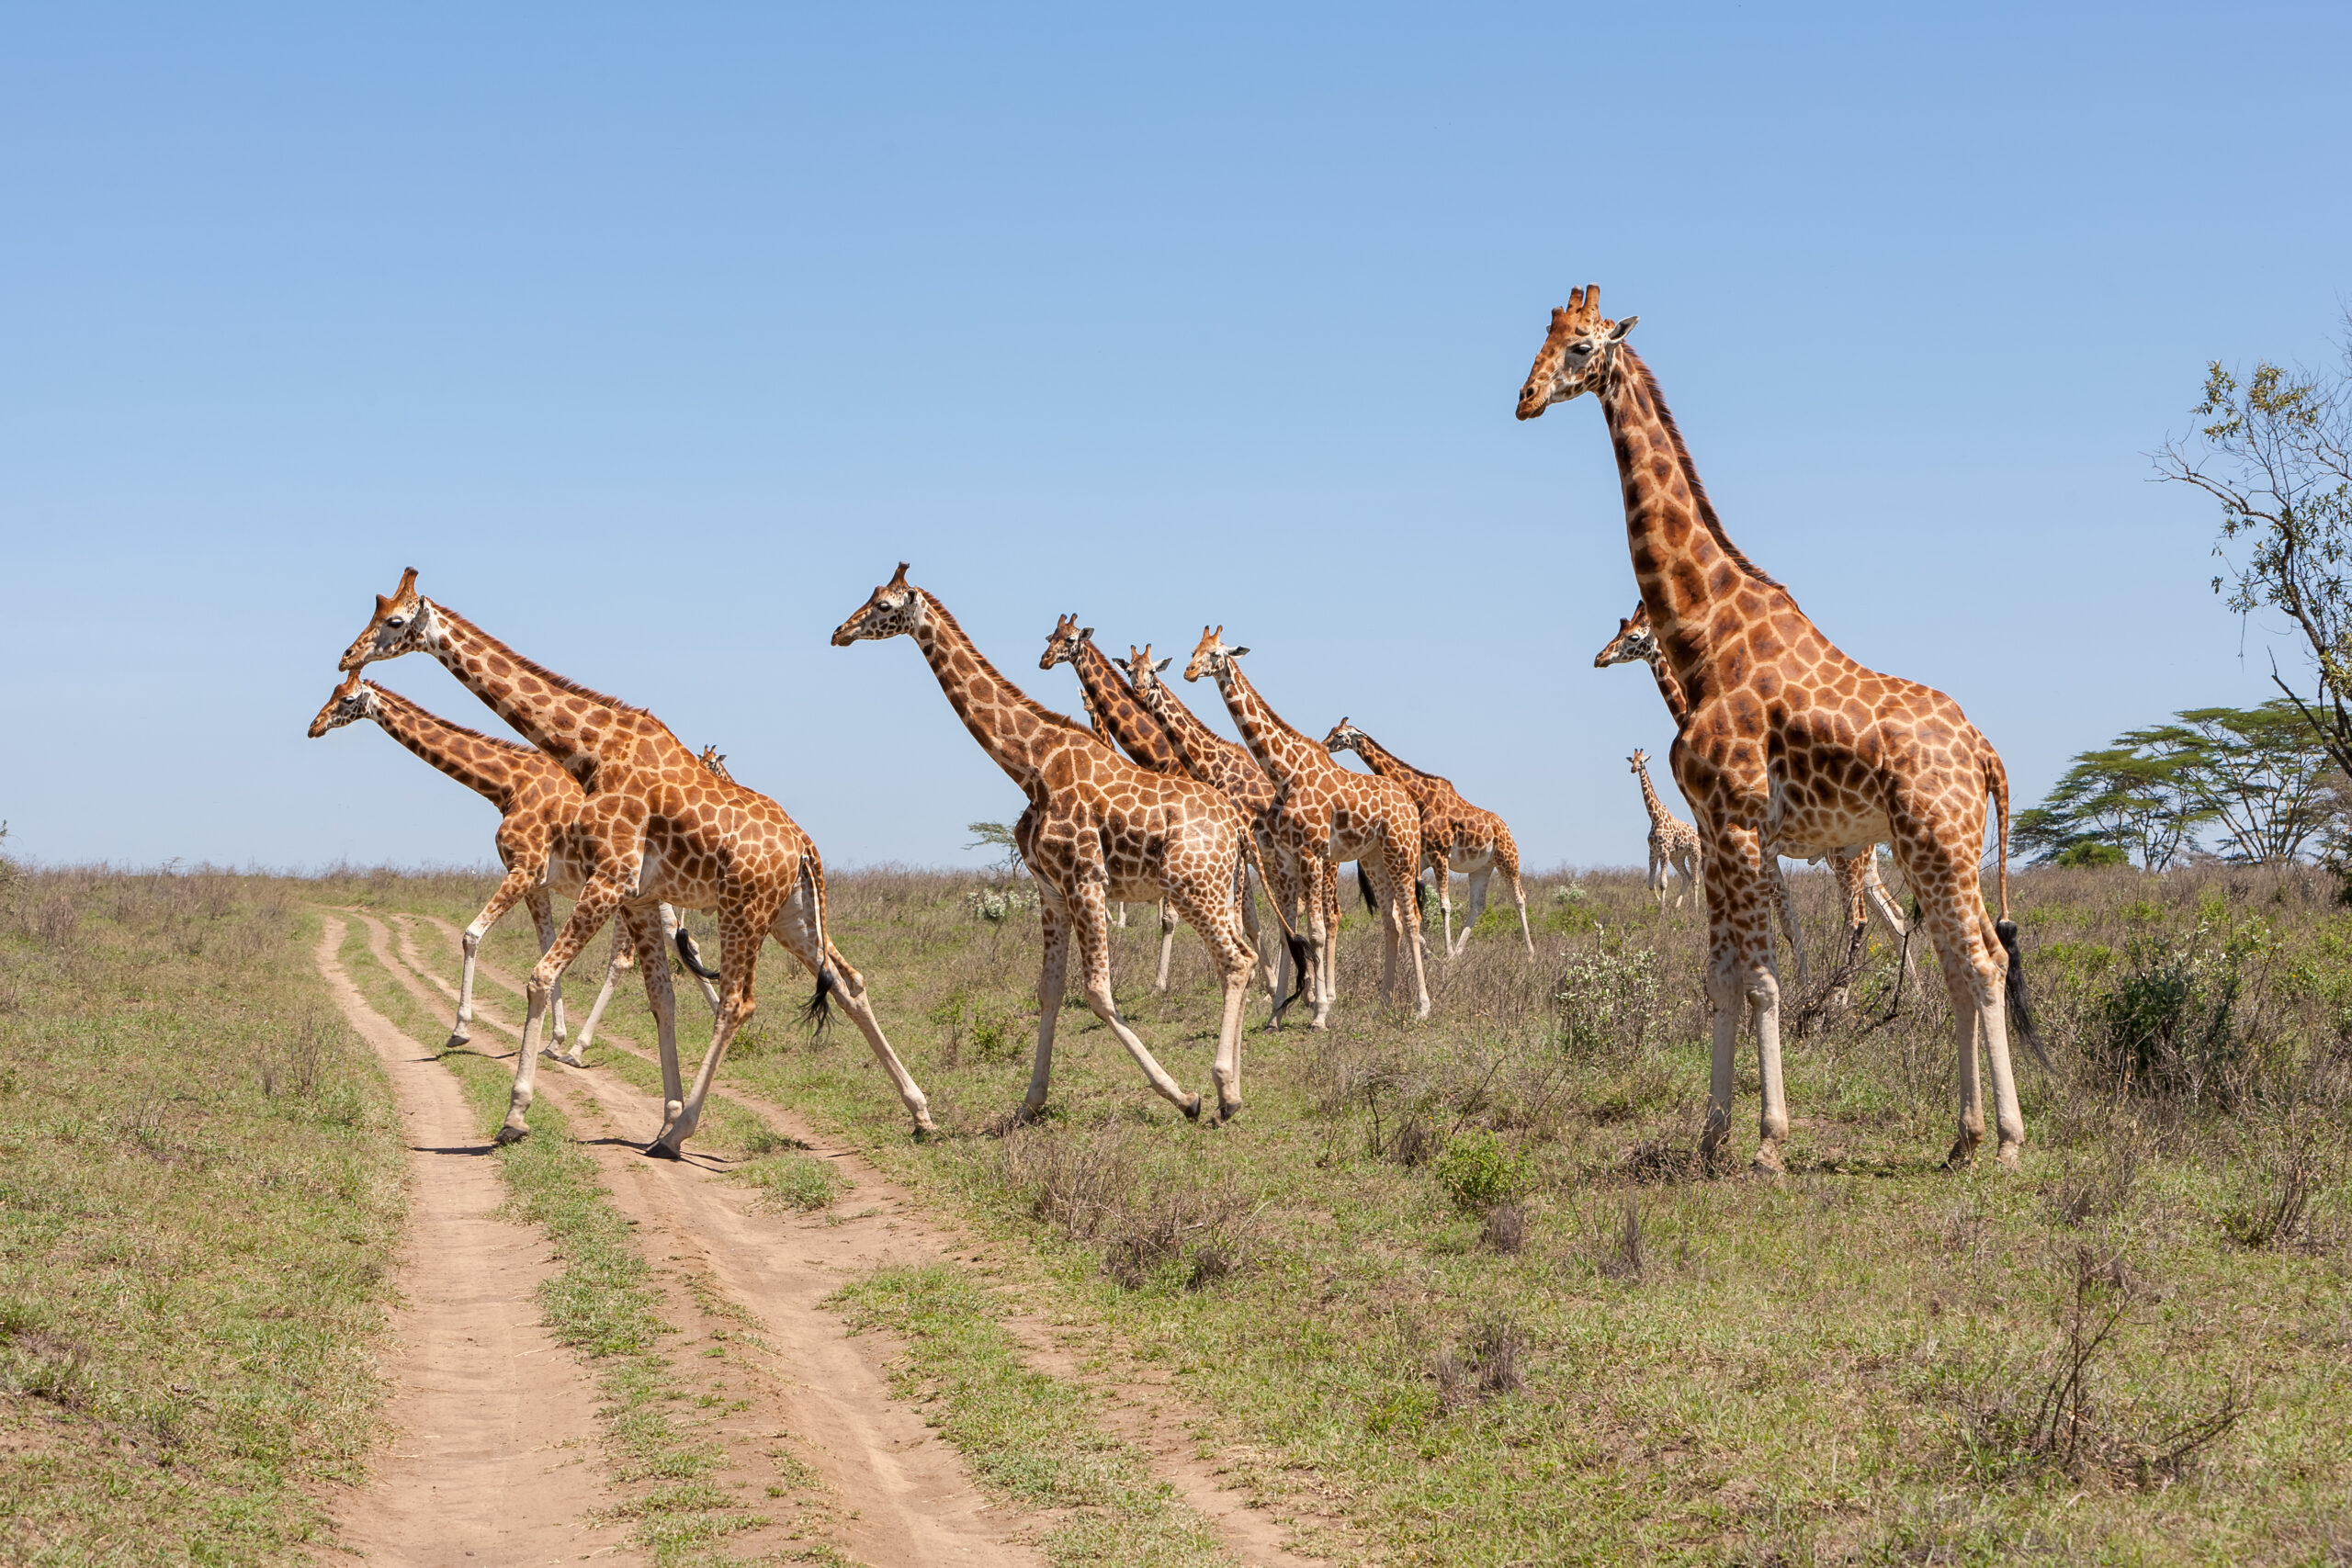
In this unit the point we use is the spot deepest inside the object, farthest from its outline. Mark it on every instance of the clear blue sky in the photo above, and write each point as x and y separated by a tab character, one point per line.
655	336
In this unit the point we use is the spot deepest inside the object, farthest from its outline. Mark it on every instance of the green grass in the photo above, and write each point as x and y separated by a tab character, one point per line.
1032	1439
1839	1366
199	1197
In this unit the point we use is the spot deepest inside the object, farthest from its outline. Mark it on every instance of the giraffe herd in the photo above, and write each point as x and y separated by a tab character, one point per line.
1783	746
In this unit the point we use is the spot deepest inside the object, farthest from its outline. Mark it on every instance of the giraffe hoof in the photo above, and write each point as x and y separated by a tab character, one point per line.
1769	1161
511	1134
1963	1154
2009	1156
1191	1105
1228	1111
657	1149
456	1042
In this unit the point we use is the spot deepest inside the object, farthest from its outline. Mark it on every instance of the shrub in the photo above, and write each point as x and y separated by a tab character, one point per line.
1609	1001
1478	1171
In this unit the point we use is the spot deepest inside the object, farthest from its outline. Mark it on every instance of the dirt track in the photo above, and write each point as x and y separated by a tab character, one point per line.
893	1493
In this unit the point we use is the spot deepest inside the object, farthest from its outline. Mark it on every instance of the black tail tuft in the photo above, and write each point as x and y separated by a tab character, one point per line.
2021	1013
1297	945
818	1013
1364	886
1420	897
693	958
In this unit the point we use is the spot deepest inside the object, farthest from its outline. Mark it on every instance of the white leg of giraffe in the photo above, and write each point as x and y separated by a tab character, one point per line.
1319	875
1519	896
796	929
1053	984
598	900
1090	919
511	888
623	956
542	906
1445	900
742	927
1657	873
1167	945
1477	904
1221	933
1740	979
1883	902
1393	878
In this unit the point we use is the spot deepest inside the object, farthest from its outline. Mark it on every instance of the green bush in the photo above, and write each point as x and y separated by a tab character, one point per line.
1478	1171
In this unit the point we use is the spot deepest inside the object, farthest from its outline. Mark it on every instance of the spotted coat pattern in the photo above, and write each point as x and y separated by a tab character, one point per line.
1455	835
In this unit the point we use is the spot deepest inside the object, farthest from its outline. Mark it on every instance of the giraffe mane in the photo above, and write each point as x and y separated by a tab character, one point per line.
1707	517
524	660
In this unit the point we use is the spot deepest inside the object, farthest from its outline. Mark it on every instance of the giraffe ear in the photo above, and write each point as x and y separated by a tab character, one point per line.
1617	332
1085	633
1165	662
1235	652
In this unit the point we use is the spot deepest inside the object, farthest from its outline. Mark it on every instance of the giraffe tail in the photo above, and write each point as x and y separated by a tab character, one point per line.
1364	886
1290	939
1996	784
817	1013
691	956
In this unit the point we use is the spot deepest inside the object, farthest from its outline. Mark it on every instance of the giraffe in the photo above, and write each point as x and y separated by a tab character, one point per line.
1126	724
1294	879
658	826
1855	866
1097	828
1455	835
1674	843
1332	814
1789	745
538	808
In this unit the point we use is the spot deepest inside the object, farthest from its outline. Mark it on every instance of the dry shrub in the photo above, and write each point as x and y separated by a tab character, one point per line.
1184	1226
2098	1190
2054	1417
1489	1365
1617	1250
1203	1230
2295	1164
1504	1230
1077	1183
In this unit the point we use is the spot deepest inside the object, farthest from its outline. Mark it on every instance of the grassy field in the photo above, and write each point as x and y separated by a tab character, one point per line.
1457	1292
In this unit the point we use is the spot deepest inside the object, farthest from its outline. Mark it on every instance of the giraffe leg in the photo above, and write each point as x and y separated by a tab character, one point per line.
1740	978
1519	896
622	958
645	934
1167	943
1319	876
1090	919
796	928
1787	909
1221	933
597	901
510	891
542	906
1328	976
1398	870
744	923
1251	888
1477	904
1053	983
1445	900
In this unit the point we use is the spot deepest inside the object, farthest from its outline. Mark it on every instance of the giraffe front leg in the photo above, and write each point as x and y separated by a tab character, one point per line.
1251	888
1221	933
646	936
850	986
742	925
1404	870
597	902
510	891
1091	924
1053	984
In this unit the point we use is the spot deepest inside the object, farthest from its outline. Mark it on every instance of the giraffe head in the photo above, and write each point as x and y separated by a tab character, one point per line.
1634	641
1145	674
895	610
398	627
1343	737
1579	355
347	704
716	762
1638	761
1061	646
1211	657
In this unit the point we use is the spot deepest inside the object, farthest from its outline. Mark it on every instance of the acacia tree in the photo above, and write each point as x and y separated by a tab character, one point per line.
2277	453
2139	801
2261	774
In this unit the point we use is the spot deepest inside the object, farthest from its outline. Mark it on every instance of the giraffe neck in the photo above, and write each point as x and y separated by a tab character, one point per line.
1283	751
1121	713
567	721
1668	688
1389	765
495	769
1659	815
1212	756
1013	727
1687	566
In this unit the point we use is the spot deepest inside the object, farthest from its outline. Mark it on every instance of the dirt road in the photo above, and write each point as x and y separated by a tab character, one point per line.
494	1449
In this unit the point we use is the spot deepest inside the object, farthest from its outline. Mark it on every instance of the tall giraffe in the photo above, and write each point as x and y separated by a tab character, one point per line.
1125	723
1293	878
1455	835
1791	746
1674	843
658	827
538	804
1097	828
1334	814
